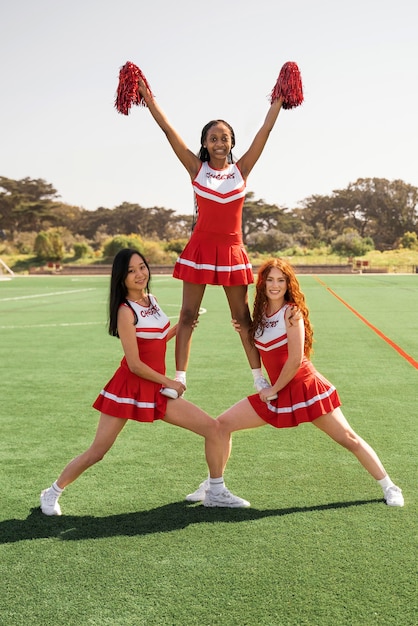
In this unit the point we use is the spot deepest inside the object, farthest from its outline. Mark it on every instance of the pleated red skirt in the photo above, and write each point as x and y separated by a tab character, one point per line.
214	259
305	398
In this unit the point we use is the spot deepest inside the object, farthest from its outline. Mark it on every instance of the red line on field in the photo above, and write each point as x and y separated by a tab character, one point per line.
378	332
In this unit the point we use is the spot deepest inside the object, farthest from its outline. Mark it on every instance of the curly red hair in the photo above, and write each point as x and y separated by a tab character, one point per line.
293	294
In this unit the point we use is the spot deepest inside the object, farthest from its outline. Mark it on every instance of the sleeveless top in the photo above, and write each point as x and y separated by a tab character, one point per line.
306	397
127	395
220	196
215	253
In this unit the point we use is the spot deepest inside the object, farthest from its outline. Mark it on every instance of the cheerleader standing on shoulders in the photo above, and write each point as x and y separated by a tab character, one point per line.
215	253
139	388
282	332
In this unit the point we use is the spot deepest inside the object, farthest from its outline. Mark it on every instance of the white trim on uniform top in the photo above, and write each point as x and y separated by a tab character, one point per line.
267	348
147	334
216	197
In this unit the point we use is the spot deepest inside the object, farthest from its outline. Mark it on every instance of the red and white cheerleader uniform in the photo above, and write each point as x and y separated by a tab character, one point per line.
127	395
215	253
306	397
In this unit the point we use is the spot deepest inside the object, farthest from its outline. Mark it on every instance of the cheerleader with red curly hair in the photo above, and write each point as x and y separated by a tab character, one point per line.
298	393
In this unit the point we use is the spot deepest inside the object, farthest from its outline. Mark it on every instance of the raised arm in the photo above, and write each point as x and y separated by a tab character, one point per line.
190	161
286	93
250	158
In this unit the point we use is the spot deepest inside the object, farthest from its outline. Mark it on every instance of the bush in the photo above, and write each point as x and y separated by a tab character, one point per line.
119	242
350	243
155	253
293	251
82	250
269	241
176	245
409	240
49	246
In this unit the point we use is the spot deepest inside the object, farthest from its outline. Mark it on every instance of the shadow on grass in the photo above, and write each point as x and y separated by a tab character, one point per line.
162	519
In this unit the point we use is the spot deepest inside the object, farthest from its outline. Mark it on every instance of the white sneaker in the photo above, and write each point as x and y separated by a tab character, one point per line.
393	496
169	393
199	494
49	502
261	383
225	499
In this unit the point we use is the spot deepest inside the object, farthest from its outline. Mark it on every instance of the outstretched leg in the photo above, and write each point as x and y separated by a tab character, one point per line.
182	413
335	425
213	491
240	416
107	431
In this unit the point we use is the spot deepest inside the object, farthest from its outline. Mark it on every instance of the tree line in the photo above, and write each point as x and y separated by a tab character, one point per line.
369	213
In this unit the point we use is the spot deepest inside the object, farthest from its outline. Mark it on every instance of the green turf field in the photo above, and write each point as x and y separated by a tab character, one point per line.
318	547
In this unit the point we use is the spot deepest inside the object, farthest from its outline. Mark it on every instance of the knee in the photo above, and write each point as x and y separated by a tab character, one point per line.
224	430
188	316
243	318
350	441
94	455
216	429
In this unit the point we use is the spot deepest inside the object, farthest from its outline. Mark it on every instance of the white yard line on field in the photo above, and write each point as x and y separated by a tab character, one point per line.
62	324
51	325
45	295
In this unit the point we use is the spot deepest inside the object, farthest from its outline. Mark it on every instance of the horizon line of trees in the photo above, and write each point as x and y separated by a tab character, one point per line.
371	213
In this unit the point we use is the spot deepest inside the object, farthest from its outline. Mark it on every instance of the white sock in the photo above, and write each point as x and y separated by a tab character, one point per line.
180	376
256	372
57	489
216	485
385	482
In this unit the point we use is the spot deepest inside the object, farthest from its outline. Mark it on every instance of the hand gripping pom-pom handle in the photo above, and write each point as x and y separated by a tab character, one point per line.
127	93
288	86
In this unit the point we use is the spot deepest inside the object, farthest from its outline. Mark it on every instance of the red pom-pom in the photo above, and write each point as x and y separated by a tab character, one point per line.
127	93
288	86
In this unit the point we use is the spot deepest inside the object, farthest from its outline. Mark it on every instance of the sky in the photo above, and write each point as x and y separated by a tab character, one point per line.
59	69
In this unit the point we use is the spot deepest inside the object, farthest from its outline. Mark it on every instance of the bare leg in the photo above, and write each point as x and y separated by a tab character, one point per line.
336	426
241	416
107	431
192	299
238	303
182	413
212	491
